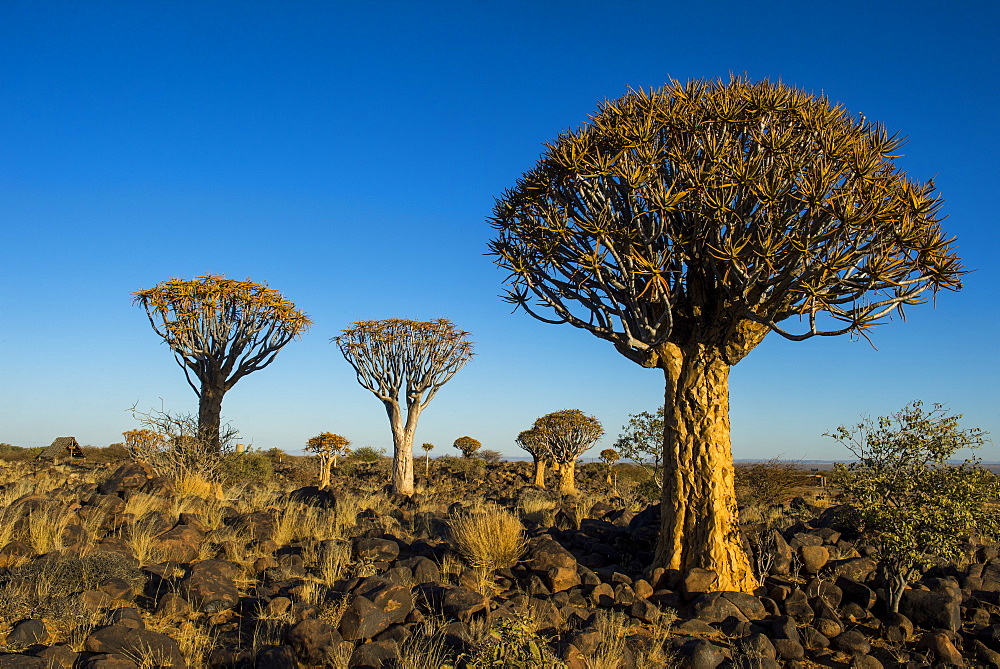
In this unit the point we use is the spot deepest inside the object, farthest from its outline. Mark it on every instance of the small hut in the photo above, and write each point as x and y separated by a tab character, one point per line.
62	447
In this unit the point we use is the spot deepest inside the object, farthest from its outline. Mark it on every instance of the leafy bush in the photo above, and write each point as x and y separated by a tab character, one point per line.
489	455
642	440
368	454
765	484
248	467
906	499
113	453
12	453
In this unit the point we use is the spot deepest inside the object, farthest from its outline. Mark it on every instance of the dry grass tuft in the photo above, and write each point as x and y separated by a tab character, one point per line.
490	539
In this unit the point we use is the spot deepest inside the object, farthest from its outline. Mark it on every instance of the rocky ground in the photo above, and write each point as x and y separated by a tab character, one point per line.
112	566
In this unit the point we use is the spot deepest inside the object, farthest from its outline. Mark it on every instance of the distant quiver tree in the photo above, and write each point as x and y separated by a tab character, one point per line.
327	446
428	447
414	357
568	433
684	224
535	443
468	446
220	330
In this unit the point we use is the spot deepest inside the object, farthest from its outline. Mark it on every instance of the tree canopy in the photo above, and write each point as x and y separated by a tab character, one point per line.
467	445
737	205
220	330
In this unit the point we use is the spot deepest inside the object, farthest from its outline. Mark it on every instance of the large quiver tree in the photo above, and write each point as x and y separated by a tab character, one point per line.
220	330
686	223
413	357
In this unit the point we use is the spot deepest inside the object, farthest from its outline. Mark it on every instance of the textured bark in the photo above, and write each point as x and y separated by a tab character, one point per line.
324	479
567	477
210	414
699	522
539	472
402	446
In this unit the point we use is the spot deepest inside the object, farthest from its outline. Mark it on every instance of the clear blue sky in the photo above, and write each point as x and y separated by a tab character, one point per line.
348	154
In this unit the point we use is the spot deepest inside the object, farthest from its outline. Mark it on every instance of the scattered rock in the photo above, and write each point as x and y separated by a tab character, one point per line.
28	632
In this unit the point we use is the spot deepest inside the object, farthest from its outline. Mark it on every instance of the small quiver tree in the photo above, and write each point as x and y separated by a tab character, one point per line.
428	447
327	446
906	499
535	443
395	355
220	330
467	445
683	225
609	457
569	433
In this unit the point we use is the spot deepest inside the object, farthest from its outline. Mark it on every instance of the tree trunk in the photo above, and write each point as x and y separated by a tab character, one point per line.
427	466
699	521
539	472
895	579
210	415
325	463
567	477
402	446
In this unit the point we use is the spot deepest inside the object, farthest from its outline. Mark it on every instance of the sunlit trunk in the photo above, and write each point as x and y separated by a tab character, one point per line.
325	462
210	415
567	477
699	522
402	446
539	471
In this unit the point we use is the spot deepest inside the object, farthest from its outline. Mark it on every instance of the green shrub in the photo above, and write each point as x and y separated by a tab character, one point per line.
248	467
489	455
113	453
907	500
368	454
12	453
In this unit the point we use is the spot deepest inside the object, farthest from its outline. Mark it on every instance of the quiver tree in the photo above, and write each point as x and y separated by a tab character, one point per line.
535	443
414	357
467	445
428	447
327	446
686	223
568	433
220	330
609	457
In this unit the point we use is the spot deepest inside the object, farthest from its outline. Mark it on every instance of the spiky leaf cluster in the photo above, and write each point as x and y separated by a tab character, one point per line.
219	326
534	442
568	433
327	444
712	212
397	354
467	445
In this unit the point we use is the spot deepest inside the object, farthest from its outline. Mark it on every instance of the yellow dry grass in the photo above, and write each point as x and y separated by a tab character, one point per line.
489	540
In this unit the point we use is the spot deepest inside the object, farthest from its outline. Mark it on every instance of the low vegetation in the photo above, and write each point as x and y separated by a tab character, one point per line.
482	568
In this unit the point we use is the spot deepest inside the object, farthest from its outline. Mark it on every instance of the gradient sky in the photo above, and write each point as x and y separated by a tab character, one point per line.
348	154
